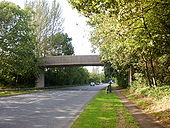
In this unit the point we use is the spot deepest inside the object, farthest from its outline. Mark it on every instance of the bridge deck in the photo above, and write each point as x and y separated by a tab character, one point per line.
75	60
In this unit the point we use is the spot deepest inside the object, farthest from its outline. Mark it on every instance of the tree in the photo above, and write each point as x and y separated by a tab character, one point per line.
18	63
52	42
59	44
66	76
94	77
48	21
132	36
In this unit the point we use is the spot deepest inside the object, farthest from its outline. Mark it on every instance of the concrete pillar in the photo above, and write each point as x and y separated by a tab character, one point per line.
40	83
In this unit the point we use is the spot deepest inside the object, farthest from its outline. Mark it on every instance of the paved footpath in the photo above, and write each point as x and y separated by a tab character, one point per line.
50	109
143	119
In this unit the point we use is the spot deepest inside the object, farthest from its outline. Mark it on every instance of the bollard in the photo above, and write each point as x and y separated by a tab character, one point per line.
108	89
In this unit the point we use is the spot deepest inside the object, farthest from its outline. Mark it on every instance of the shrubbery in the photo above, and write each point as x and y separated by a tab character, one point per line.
140	86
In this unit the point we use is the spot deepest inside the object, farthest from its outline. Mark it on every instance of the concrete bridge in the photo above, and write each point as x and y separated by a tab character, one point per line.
75	60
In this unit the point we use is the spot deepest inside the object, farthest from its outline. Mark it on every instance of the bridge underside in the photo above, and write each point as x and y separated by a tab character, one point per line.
75	60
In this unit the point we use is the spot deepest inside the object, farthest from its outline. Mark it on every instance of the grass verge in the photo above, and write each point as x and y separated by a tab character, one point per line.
155	102
105	111
15	92
8	93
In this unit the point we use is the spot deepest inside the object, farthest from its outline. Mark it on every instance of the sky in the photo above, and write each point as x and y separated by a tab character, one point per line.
75	26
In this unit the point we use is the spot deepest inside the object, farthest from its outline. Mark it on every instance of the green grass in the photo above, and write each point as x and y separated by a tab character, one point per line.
105	111
6	93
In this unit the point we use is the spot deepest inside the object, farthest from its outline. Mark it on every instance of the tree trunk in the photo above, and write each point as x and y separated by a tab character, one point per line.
153	71
147	72
148	75
130	76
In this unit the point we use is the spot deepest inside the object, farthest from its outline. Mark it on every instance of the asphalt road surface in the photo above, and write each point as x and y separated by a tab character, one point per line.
50	109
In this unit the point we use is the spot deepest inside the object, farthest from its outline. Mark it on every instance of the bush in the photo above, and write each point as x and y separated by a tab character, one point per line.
140	86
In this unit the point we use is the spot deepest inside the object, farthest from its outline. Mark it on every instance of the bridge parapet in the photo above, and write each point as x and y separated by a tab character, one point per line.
75	60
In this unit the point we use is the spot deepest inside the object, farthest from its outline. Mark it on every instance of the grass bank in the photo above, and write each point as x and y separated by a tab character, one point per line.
105	111
154	101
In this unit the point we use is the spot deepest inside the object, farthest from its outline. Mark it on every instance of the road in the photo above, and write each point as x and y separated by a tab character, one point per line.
49	109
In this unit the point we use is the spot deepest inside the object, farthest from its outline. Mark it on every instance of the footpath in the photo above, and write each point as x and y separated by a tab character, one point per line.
144	120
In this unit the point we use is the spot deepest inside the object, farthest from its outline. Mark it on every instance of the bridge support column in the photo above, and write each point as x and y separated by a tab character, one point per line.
40	83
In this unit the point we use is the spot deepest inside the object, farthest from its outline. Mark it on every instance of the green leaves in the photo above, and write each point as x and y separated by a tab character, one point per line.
58	44
91	7
131	33
48	22
66	76
16	44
